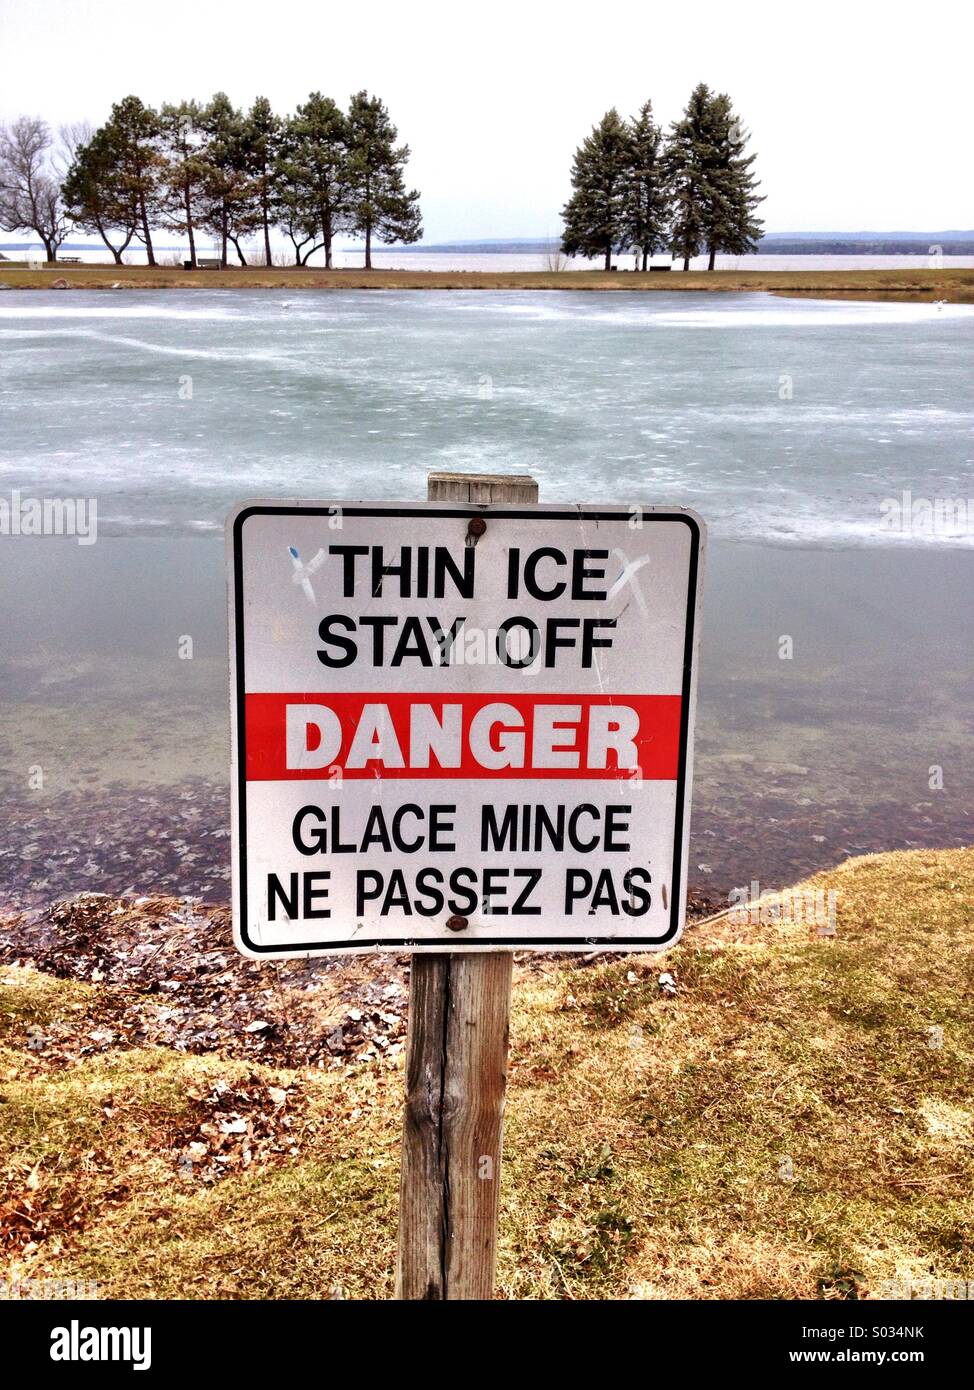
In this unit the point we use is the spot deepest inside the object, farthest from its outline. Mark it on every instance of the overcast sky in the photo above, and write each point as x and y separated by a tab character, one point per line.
859	112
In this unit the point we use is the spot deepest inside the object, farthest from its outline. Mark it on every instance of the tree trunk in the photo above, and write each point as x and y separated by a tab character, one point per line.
686	262
104	236
117	251
240	255
189	226
326	233
713	257
608	258
267	233
146	234
368	220
50	251
645	259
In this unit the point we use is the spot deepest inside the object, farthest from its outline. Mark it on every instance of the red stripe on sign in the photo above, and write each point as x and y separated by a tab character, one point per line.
305	736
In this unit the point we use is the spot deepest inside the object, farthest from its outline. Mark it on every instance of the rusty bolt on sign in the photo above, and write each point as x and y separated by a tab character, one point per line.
476	526
457	923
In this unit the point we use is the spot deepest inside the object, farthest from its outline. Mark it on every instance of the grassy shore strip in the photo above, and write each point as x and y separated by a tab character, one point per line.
794	1122
921	285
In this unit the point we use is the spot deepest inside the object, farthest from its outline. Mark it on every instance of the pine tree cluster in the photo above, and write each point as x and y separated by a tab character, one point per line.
238	175
687	191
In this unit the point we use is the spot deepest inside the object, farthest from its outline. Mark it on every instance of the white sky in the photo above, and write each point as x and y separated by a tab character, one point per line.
859	112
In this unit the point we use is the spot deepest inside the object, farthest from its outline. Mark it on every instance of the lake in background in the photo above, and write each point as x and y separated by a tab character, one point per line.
790	425
345	258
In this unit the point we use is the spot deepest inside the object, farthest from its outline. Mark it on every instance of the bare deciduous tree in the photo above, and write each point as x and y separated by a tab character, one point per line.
555	260
73	138
30	184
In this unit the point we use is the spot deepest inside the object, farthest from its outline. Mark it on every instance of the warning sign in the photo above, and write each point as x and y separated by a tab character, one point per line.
461	727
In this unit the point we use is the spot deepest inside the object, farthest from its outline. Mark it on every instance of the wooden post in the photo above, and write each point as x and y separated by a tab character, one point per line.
456	1073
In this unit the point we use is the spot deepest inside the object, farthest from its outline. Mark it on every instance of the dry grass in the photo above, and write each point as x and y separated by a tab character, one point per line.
786	1126
921	284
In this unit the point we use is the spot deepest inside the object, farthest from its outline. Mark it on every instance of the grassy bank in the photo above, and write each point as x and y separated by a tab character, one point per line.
921	285
795	1121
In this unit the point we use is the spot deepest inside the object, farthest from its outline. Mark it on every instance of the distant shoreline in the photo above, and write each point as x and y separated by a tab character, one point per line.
922	285
799	244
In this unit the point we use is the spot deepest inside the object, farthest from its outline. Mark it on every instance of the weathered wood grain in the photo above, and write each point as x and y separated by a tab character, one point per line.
456	1074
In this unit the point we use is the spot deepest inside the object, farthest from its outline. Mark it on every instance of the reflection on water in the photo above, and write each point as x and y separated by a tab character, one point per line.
800	762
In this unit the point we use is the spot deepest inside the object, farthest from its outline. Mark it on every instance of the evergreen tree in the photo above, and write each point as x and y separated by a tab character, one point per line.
687	159
313	173
714	194
730	219
647	194
378	203
230	210
98	199
288	201
595	214
184	172
133	131
261	138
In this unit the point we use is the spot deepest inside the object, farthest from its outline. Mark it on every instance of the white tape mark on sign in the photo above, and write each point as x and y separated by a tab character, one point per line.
433	726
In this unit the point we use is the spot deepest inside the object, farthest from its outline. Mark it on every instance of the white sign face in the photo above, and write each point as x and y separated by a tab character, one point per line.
461	727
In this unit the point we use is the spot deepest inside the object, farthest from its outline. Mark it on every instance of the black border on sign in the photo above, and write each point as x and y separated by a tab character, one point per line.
451	941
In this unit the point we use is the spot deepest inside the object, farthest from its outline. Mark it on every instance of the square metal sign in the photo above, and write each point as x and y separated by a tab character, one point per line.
460	727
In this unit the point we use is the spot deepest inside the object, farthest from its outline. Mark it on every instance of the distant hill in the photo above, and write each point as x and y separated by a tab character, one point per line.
954	235
867	243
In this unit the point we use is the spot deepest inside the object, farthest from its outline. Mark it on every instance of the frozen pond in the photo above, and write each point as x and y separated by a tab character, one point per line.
796	428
